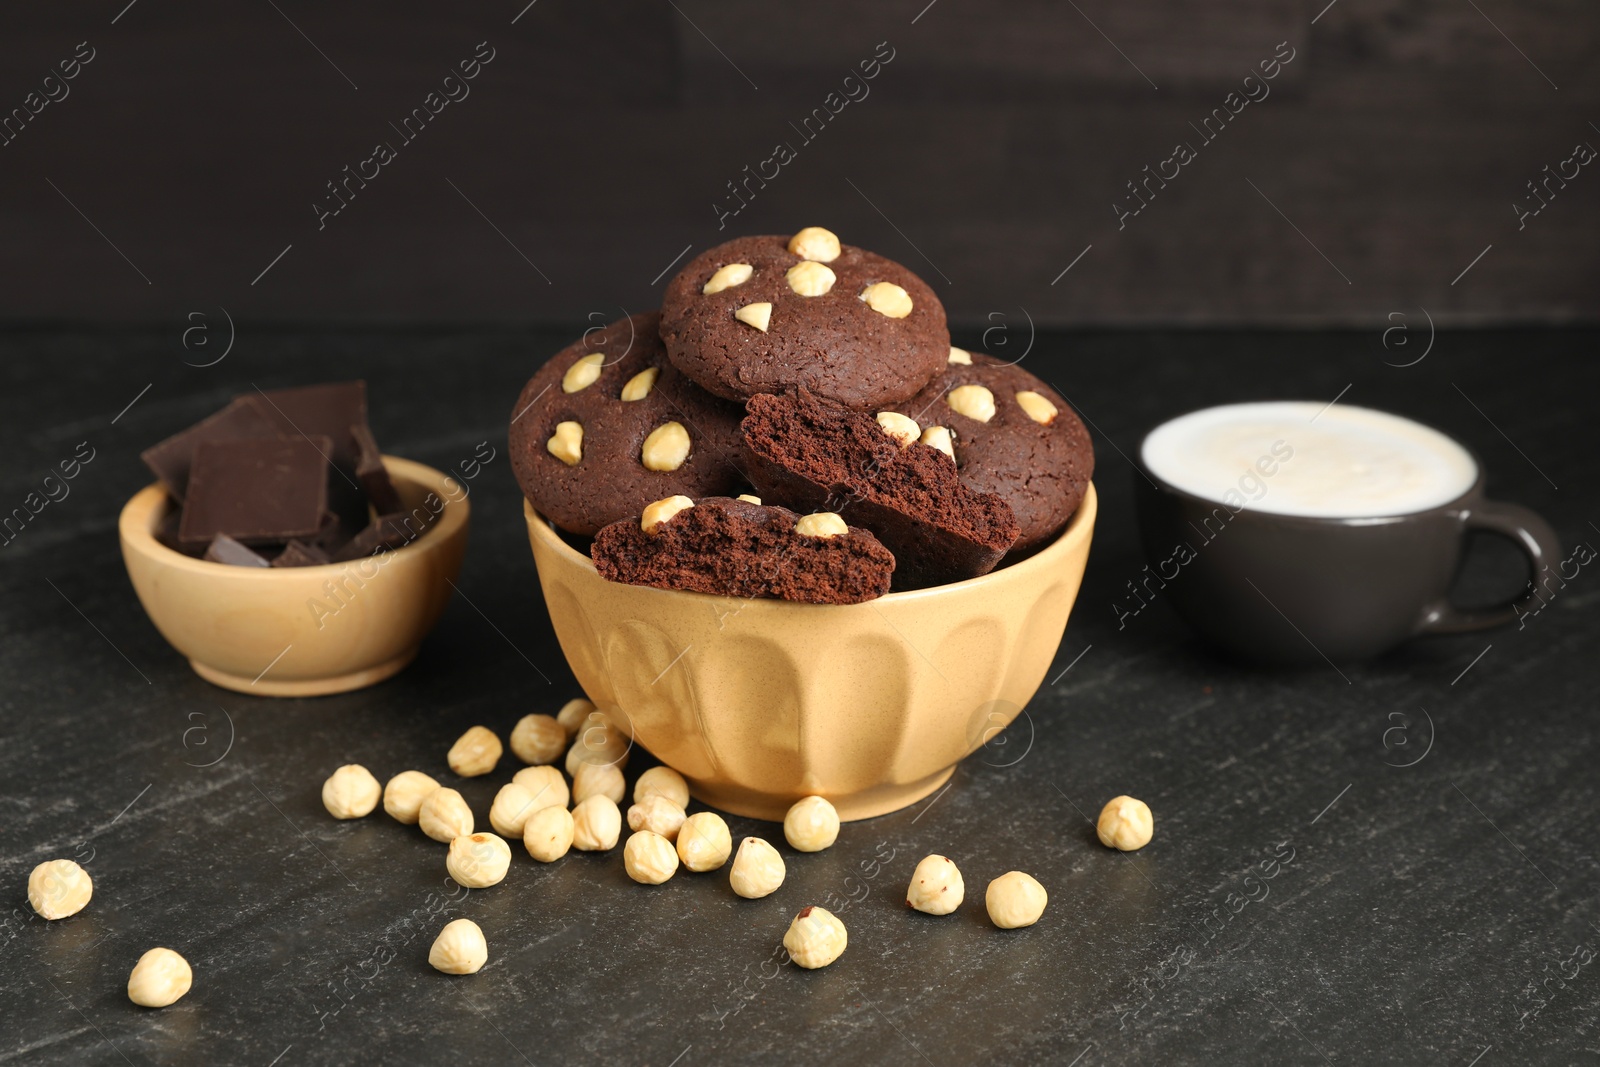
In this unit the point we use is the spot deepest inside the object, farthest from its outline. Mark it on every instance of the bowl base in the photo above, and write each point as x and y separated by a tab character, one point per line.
867	804
305	687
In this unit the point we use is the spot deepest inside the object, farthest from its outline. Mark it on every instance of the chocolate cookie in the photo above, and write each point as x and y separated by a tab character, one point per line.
1012	435
769	314
608	425
741	548
816	454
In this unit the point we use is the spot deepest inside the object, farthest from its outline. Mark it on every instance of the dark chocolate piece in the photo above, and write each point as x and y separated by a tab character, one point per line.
171	459
372	474
299	553
166	533
328	410
224	549
256	491
736	548
385	532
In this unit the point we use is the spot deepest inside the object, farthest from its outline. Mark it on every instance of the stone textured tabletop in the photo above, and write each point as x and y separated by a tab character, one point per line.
1391	862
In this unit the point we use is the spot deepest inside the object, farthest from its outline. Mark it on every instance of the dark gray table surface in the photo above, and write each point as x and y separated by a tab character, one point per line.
1443	912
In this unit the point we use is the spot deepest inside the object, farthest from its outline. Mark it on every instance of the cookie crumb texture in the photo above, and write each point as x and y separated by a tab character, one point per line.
732	548
601	474
814	453
833	343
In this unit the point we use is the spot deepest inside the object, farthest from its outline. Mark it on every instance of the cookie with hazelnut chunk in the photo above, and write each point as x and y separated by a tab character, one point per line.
609	424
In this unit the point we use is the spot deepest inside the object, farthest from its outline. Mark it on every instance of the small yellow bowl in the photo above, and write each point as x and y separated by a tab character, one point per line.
761	702
301	631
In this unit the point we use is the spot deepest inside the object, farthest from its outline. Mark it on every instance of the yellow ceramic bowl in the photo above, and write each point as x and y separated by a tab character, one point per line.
301	631
760	702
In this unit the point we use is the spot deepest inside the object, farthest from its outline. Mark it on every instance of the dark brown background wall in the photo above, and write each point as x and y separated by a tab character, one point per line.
988	156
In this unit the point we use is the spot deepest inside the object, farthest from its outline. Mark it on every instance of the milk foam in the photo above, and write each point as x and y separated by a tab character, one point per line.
1272	457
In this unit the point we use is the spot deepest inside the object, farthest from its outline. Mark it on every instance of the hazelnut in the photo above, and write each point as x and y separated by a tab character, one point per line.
58	888
816	244
404	794
939	437
548	834
566	444
811	825
727	277
649	858
444	815
664	782
704	841
657	814
810	279
573	712
511	808
750	498
887	298
546	783
936	886
816	938
1037	407
757	315
583	373
596	824
599	741
459	948
902	429
662	510
351	792
973	401
1015	899
538	739
1125	824
666	448
478	860
475	752
598	779
960	356
159	978
823	524
638	387
757	869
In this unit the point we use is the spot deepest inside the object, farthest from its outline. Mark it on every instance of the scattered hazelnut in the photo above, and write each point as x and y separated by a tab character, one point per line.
598	779
750	498
816	938
903	429
404	794
351	792
444	815
936	886
704	841
599	741
596	824
757	315
548	834
479	860
1038	408
566	444
822	524
887	298
973	401
727	277
583	373
665	782
511	808
1125	824
816	244
546	783
666	448
538	739
939	437
662	510
811	824
475	752
1015	899
160	978
638	387
810	279
960	356
657	814
58	888
649	858
757	869
459	948
573	712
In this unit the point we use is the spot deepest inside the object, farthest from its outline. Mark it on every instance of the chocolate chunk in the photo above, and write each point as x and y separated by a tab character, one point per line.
166	533
170	460
256	491
386	532
372	474
224	549
329	411
301	554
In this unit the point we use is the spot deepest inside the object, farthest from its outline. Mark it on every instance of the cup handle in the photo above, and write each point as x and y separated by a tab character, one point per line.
1538	542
